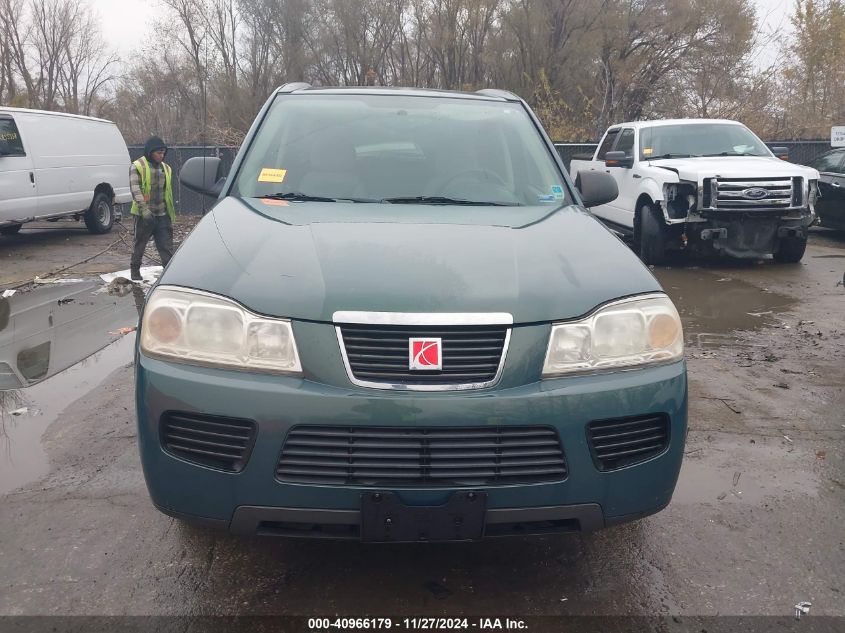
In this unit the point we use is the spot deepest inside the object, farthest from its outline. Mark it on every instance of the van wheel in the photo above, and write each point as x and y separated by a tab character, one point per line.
12	229
652	247
790	250
100	216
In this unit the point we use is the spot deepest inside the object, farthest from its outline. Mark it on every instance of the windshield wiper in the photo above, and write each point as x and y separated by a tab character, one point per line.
444	200
304	197
293	195
733	154
673	156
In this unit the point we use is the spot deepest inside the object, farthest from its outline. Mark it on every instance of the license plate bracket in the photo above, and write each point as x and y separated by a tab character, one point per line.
385	519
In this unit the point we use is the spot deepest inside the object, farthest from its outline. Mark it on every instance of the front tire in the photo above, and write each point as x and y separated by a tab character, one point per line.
790	250
652	247
99	217
12	229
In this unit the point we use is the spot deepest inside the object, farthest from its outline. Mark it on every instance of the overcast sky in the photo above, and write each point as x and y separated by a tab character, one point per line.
128	25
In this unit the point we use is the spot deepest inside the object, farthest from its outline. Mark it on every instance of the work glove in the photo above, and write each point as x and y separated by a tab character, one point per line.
146	214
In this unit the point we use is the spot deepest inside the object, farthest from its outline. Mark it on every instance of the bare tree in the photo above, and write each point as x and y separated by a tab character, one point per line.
52	56
54	22
87	68
813	86
190	32
352	38
17	30
583	64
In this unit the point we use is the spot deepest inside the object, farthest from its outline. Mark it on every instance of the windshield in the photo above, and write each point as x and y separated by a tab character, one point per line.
699	139
400	149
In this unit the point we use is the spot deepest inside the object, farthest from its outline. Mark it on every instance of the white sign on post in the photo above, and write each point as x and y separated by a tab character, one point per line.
837	136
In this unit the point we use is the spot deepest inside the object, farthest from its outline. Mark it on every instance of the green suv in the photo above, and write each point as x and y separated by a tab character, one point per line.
400	323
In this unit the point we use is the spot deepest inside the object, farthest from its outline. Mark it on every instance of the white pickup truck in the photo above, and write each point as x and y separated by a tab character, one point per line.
705	185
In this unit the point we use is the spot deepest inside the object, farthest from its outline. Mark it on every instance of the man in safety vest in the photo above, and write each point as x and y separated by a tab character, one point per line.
150	179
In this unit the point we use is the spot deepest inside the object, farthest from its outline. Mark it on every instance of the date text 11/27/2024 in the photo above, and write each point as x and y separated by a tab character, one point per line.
417	624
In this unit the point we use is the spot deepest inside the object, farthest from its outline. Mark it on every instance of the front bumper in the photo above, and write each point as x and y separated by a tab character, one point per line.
745	235
254	501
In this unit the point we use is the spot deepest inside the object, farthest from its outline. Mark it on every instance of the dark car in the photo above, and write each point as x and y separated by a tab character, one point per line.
831	204
400	323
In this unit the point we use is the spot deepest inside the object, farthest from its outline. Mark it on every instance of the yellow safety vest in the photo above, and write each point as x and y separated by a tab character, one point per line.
143	168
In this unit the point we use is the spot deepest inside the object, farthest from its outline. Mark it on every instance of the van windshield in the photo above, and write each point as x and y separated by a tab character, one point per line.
699	139
400	149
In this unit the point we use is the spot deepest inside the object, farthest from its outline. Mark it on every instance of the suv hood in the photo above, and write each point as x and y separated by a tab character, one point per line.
697	169
307	260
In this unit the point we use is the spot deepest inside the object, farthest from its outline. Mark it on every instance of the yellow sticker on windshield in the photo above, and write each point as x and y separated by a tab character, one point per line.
647	151
272	175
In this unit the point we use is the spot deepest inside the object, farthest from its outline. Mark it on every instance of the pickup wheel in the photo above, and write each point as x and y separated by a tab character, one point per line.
790	250
100	215
12	229
652	246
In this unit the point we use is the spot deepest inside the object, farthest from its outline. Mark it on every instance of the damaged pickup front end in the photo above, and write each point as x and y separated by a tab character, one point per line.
744	217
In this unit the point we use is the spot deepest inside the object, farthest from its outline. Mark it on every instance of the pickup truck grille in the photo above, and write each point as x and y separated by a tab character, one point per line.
378	354
752	194
431	457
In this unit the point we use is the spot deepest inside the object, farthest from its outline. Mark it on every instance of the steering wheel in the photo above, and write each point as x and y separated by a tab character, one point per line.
477	172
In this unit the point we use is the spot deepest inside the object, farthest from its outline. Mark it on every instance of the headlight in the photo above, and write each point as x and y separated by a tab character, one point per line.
202	329
628	333
813	192
681	198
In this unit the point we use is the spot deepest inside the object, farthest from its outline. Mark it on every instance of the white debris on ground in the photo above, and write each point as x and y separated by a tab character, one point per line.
8	293
56	280
148	274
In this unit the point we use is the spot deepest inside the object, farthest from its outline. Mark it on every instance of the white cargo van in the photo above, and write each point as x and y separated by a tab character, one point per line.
55	165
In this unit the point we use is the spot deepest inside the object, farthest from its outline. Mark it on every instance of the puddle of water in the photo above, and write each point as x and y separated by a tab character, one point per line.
22	458
759	474
45	331
56	344
715	306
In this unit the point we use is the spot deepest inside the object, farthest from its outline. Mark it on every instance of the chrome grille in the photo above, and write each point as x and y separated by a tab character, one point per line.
735	194
626	441
434	456
378	354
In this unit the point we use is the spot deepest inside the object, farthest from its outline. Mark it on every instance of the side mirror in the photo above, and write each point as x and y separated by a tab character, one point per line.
618	159
596	188
203	175
781	152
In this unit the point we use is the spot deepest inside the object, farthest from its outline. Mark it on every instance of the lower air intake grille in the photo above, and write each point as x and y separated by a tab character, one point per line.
626	441
216	442
432	457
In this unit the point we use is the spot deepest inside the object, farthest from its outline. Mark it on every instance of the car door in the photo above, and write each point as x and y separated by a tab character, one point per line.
831	205
18	193
622	209
604	211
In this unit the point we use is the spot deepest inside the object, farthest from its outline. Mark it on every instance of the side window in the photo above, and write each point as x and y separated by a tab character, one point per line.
829	162
607	144
13	145
626	142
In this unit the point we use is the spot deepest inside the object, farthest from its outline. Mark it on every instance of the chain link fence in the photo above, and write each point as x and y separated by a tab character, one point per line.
801	152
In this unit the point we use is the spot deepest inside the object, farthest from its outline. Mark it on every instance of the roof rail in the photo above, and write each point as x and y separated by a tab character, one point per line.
501	94
295	85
